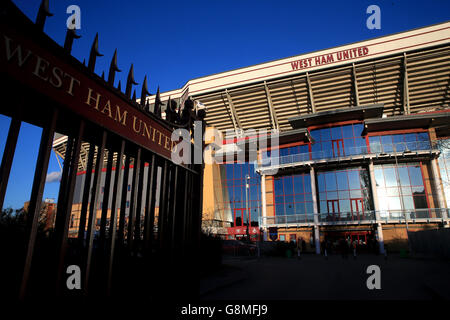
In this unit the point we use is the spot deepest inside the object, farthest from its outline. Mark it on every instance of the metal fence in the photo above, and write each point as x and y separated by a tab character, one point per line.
126	257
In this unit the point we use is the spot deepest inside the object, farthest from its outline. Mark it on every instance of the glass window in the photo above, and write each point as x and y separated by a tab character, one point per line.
253	190
288	198
404	176
325	134
332	195
289	208
349	147
315	134
353	179
358	128
298	184
330	181
375	144
307	183
293	200
394	203
356	193
409	137
342	180
237	171
336	133
351	184
279	209
409	196
344	205
390	177
418	190
423	136
278	184
406	191
316	150
288	186
304	148
321	182
379	178
300	208
408	203
299	197
309	207
347	131
416	176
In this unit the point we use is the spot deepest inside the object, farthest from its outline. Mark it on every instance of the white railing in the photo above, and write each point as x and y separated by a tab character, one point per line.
375	148
358	217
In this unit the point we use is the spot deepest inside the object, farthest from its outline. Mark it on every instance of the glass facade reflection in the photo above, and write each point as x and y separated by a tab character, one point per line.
344	193
236	193
293	195
444	166
399	142
400	187
338	141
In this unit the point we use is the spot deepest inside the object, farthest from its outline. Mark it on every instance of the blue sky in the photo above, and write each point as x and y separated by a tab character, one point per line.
174	41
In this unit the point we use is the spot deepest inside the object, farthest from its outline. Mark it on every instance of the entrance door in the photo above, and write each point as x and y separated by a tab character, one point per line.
338	148
333	209
357	208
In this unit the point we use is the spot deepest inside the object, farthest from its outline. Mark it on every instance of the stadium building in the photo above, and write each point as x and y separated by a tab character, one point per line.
363	146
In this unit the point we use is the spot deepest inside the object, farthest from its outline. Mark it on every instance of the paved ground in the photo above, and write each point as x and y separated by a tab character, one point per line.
313	277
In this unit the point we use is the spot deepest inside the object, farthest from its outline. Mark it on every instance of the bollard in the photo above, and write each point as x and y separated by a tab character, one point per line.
298	253
326	256
354	253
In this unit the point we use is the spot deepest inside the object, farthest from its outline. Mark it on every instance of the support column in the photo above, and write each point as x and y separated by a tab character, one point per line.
376	205
438	190
316	211
264	209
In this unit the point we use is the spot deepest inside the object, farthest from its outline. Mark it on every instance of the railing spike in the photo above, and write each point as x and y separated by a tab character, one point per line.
103	75
94	54
84	62
42	15
119	86
158	103
134	95
130	82
70	36
171	111
113	68
144	92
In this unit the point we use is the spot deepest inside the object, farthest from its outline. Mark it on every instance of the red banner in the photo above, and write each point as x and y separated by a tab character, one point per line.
67	82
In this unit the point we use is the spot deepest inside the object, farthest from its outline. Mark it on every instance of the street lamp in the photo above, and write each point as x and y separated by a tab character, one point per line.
247	178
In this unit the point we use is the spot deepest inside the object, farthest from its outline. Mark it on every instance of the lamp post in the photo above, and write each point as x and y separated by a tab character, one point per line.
247	178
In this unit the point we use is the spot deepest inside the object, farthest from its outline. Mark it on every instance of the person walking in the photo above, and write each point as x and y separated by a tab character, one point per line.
299	247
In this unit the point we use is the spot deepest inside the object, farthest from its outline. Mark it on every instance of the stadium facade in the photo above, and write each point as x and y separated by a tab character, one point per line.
363	142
